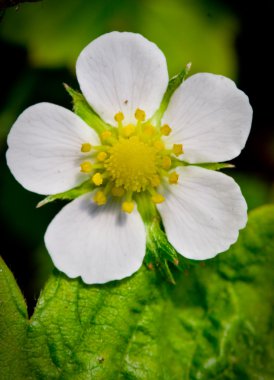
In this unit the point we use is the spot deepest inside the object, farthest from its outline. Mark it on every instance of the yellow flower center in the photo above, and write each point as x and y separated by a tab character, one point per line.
132	164
131	159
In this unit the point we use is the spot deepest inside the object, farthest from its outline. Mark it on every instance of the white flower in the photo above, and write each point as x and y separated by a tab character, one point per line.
101	236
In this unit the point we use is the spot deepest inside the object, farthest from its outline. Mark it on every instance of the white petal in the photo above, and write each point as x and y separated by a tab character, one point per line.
211	117
98	243
44	152
203	213
122	72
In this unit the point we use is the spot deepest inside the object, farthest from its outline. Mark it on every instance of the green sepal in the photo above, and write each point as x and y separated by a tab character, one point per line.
159	252
173	84
205	165
85	187
84	110
215	166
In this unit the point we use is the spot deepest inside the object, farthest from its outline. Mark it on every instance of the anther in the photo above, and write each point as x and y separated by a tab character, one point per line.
86	167
155	181
128	207
128	130
140	115
106	135
159	145
165	130
173	178
117	191
97	179
100	198
101	156
86	147
119	116
157	198
149	130
177	149
166	162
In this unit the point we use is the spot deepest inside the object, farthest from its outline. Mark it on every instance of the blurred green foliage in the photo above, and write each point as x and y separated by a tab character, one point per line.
55	32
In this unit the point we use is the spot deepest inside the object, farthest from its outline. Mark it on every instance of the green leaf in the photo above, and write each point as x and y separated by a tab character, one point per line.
215	324
85	187
13	327
173	84
84	110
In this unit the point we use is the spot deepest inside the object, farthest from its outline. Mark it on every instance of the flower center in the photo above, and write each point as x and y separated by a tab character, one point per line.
131	159
132	163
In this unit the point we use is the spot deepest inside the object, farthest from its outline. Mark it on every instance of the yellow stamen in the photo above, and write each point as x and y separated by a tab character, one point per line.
128	130
157	198
165	130
117	191
86	167
155	181
128	207
101	156
173	178
140	115
100	198
166	162
159	145
119	116
177	149
149	130
86	147
106	135
97	179
130	159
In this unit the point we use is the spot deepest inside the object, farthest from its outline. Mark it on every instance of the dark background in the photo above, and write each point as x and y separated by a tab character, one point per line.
39	44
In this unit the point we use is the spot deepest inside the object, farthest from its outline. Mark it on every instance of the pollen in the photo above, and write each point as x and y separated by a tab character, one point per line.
165	130
131	164
97	179
177	149
105	135
86	147
140	115
128	207
100	198
86	167
101	156
173	178
119	117
157	198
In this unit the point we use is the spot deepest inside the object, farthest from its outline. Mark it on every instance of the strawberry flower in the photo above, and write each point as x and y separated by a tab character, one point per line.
140	166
